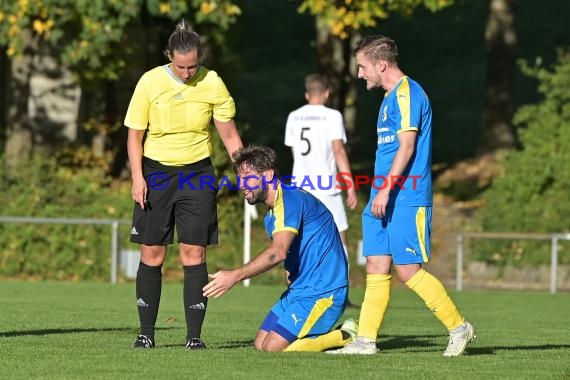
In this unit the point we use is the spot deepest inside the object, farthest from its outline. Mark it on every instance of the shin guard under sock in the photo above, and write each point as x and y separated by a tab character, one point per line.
433	293
373	309
195	278
148	289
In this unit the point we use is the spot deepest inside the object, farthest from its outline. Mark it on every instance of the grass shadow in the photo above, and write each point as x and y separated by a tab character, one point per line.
397	342
426	343
76	330
226	345
236	344
492	350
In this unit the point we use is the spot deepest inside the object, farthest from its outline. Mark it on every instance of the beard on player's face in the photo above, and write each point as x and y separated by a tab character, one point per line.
255	196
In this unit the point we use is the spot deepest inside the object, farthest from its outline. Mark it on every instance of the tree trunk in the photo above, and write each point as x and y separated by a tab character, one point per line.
501	39
19	137
336	61
3	98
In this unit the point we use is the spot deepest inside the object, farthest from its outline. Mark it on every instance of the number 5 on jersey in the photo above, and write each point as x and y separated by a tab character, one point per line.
306	140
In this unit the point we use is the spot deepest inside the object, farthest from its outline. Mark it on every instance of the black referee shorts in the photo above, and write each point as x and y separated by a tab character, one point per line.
184	196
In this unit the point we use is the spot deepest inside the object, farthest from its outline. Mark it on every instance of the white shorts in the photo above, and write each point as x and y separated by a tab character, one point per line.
335	205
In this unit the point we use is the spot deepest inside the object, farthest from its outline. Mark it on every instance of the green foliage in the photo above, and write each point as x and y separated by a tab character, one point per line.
76	154
40	187
532	193
222	13
344	16
88	32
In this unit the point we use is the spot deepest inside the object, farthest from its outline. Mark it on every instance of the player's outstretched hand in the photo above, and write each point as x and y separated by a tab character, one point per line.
222	281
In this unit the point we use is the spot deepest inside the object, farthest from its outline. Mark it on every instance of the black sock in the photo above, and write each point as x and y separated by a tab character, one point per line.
195	278
149	286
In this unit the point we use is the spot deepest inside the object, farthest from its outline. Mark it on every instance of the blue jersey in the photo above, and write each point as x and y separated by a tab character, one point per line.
405	108
316	261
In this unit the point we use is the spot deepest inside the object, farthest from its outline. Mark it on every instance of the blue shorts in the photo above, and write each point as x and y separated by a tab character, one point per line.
297	316
404	233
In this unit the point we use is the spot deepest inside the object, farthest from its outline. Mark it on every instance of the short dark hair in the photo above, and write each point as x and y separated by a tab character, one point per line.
256	158
183	40
378	48
316	83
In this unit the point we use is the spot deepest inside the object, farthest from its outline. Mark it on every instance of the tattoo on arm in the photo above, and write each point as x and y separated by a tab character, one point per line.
260	264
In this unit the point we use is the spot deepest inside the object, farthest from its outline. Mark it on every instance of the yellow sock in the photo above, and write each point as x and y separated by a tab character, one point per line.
432	292
373	309
320	343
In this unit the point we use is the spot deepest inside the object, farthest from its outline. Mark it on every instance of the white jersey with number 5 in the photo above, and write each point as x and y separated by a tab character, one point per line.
310	131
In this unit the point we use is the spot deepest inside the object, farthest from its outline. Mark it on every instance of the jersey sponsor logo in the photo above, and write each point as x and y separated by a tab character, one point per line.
386	139
310	118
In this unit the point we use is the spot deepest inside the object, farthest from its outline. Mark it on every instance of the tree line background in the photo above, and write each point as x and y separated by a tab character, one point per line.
68	69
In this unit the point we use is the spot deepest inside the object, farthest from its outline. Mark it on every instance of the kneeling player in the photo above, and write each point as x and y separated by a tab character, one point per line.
304	237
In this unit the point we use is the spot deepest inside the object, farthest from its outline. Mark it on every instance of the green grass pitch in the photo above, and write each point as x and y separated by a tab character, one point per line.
85	330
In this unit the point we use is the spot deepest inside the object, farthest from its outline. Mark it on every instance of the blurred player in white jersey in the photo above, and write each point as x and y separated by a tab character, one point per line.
317	136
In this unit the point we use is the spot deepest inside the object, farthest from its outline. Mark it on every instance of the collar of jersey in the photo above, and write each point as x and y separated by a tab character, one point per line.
173	76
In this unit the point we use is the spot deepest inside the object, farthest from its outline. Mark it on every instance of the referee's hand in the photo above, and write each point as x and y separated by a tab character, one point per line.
139	191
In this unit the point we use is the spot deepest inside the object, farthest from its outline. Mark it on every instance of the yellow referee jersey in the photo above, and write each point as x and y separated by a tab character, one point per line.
178	114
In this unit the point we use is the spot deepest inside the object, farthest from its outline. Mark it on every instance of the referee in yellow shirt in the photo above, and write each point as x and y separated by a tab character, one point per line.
169	146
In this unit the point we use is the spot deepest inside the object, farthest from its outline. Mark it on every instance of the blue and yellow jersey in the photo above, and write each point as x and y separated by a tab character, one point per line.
405	108
316	261
177	114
